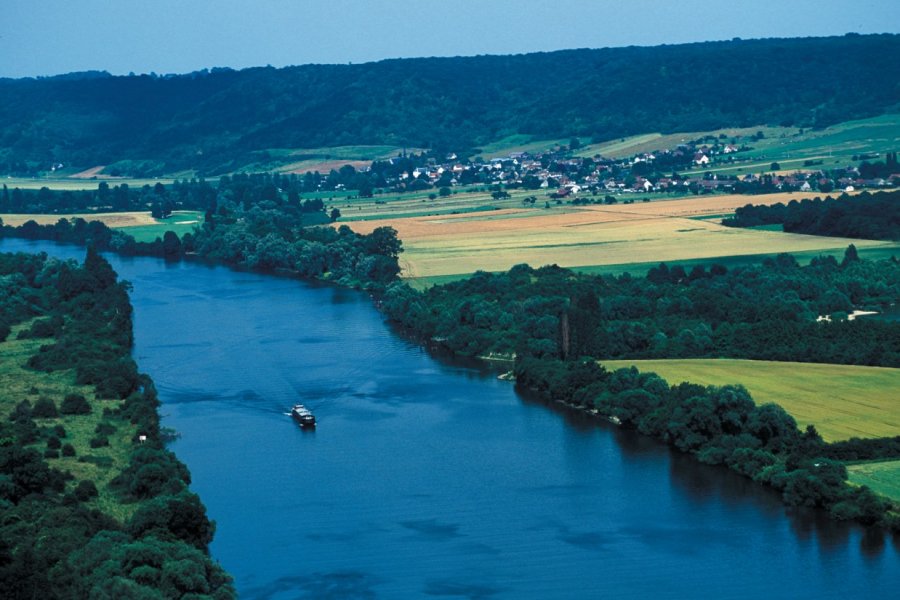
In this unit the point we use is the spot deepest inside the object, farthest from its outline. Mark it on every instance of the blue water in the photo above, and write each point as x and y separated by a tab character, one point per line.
427	478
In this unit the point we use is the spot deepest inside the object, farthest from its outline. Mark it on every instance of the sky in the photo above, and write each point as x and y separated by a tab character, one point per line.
49	37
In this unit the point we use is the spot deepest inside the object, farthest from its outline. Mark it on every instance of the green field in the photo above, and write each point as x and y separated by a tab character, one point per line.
180	222
842	401
834	146
520	142
881	477
18	383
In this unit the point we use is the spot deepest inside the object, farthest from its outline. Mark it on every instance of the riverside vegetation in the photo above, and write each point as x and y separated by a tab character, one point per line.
93	504
557	324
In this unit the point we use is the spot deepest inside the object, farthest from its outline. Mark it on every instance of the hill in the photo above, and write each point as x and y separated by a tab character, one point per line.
218	121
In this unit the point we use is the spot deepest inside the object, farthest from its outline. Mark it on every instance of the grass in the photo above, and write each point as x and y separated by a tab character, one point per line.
842	401
19	383
881	477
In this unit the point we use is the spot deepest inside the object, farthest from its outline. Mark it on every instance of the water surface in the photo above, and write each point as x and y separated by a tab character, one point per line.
427	478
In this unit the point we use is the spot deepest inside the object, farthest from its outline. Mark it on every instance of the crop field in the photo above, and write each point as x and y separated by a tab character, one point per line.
18	383
73	183
881	477
443	245
842	401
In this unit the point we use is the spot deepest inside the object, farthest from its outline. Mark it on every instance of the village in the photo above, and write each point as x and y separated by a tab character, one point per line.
560	173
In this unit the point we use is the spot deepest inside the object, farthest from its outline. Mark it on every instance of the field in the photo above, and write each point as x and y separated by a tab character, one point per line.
18	383
76	182
323	160
140	225
590	236
834	146
842	401
881	477
180	222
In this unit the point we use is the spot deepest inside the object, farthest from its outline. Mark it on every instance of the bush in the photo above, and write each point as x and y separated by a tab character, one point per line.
75	404
105	428
68	450
59	431
85	490
99	442
44	408
51	453
54	443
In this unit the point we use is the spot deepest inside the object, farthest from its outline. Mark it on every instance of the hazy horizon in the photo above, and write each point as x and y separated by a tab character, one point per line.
56	37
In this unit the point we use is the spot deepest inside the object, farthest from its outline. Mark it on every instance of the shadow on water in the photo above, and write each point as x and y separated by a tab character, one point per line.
325	586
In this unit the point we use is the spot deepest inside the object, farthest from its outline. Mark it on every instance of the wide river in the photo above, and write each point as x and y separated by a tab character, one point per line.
427	478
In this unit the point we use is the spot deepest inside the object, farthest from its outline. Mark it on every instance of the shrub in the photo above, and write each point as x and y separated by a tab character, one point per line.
54	443
85	490
68	450
105	428
44	408
51	453
60	431
99	441
75	404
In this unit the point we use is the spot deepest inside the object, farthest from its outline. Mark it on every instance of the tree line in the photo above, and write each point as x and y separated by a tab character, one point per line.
55	541
147	126
866	216
162	200
270	235
768	311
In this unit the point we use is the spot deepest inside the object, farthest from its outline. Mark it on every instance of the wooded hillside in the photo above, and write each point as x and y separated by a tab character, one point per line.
213	121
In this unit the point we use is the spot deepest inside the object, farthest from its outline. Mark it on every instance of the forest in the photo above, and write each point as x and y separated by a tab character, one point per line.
866	216
146	125
54	540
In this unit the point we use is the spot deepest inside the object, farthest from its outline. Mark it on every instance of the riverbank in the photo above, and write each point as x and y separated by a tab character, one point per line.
92	499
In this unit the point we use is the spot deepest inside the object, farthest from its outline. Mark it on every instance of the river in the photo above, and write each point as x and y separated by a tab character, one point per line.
428	478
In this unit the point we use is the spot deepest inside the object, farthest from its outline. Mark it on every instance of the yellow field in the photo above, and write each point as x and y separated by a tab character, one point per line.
588	236
119	219
842	401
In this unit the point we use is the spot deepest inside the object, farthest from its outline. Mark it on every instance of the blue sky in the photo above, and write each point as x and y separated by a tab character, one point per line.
46	37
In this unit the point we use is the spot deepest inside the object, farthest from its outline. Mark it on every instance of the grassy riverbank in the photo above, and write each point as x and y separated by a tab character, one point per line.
99	464
842	401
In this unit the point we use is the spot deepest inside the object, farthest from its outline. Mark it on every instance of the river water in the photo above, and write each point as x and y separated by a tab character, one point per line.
427	478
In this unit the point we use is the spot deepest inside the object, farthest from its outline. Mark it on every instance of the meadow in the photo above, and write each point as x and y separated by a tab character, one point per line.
842	401
18	383
881	477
